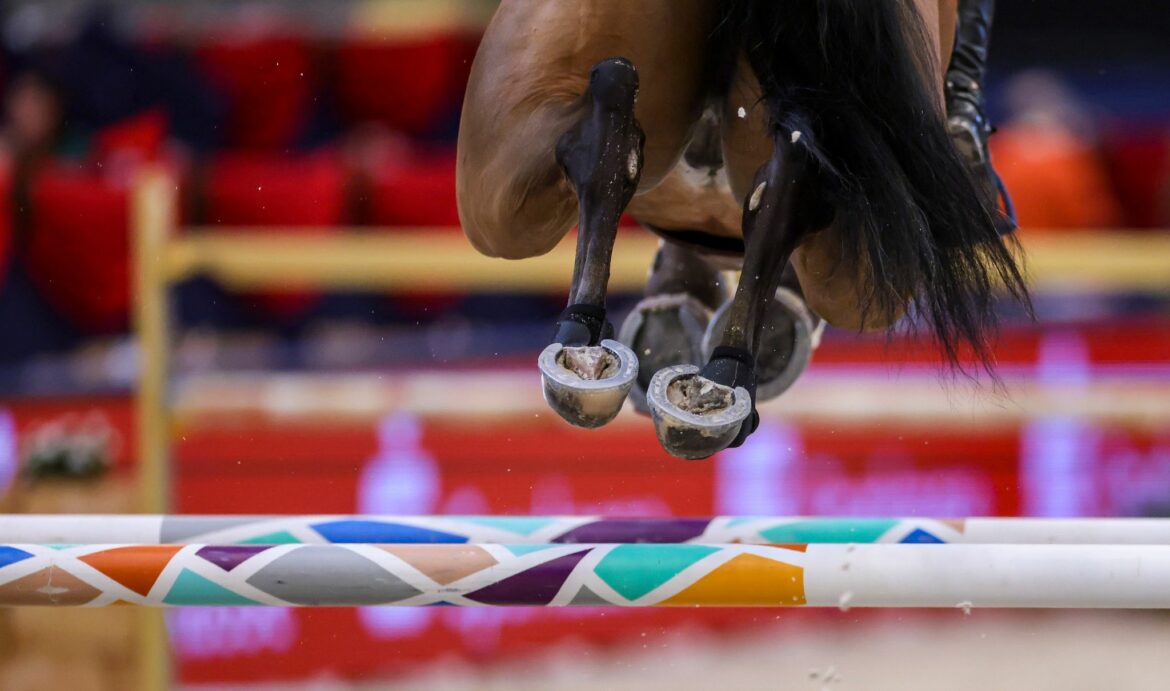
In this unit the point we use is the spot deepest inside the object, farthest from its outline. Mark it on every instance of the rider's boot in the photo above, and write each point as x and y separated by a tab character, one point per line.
967	105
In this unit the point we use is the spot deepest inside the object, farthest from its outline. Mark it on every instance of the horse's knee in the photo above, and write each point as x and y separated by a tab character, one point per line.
503	243
514	200
511	231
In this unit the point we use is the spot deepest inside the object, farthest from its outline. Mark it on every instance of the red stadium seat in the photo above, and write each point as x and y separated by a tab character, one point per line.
269	190
410	85
78	251
415	192
298	194
140	138
268	84
419	191
1139	162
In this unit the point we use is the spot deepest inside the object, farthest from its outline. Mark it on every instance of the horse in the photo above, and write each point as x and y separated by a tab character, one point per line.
804	142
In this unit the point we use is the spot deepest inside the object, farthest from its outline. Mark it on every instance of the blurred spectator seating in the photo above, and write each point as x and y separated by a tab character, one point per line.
410	189
6	221
78	246
1056	180
400	79
415	191
267	81
1139	163
301	194
78	249
412	84
1051	159
137	139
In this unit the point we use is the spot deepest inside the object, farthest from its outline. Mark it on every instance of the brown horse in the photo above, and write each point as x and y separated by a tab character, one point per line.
804	141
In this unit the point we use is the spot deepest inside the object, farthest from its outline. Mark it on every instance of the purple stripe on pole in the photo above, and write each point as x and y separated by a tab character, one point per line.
228	557
535	586
657	530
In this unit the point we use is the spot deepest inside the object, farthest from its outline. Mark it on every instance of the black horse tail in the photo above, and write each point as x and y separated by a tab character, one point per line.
854	76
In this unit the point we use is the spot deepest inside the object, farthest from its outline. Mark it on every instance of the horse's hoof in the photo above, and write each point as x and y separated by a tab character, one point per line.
663	331
790	335
587	385
693	416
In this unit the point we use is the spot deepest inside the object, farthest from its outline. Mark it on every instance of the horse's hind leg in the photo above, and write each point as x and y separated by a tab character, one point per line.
829	289
586	373
666	327
789	334
698	412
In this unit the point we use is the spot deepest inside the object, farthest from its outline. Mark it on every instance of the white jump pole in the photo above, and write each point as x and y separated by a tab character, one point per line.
633	575
322	529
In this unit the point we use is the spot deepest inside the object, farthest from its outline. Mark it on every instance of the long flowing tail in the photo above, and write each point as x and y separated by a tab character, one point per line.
854	75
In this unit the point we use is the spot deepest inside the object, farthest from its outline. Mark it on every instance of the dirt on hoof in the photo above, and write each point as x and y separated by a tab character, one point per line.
699	396
589	362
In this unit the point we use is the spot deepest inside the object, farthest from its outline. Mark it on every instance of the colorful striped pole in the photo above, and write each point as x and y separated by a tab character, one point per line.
636	575
109	529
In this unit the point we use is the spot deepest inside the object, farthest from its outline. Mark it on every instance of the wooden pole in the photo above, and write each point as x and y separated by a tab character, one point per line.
153	214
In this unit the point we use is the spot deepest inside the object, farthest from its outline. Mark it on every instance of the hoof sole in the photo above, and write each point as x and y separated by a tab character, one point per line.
694	435
783	363
585	402
663	331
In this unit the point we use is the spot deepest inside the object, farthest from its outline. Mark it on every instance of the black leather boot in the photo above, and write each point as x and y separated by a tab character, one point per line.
967	107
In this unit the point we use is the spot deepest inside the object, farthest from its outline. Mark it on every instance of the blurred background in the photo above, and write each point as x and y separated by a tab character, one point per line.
319	120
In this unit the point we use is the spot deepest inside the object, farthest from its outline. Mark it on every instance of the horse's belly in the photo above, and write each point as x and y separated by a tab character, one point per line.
690	200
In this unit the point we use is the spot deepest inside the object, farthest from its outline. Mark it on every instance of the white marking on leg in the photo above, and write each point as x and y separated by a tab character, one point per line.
757	195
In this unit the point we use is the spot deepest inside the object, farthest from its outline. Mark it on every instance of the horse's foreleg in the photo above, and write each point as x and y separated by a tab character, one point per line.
698	412
586	373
